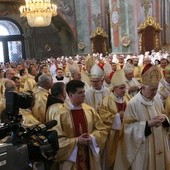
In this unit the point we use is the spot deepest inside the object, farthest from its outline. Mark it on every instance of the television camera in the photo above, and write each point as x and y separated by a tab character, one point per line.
24	146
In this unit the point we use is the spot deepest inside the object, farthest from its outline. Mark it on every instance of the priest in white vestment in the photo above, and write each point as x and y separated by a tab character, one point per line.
97	92
143	143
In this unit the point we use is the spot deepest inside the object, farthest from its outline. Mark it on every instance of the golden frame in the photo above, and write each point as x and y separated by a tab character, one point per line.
149	22
99	32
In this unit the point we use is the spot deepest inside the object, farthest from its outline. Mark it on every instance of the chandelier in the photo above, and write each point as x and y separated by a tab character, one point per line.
38	12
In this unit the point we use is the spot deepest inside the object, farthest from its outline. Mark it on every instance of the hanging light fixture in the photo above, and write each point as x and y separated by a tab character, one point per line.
38	12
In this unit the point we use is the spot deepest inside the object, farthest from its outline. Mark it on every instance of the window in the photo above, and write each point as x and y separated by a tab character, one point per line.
11	42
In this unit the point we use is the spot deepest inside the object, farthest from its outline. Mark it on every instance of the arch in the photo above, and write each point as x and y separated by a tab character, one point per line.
68	22
67	35
13	22
12	42
59	22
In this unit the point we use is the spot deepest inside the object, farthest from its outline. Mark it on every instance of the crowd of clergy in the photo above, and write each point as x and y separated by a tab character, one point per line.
112	111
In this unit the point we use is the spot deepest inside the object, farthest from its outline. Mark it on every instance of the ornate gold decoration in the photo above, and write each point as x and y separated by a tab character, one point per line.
152	76
38	12
105	46
81	45
99	31
150	21
157	41
140	42
125	41
92	46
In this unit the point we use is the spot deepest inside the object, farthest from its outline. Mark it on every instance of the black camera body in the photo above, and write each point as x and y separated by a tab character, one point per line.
33	144
14	158
15	100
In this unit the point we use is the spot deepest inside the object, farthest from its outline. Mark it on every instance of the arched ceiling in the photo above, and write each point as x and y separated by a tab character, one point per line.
60	23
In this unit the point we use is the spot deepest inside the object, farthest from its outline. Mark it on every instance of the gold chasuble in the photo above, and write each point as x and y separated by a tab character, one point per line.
71	124
108	111
80	127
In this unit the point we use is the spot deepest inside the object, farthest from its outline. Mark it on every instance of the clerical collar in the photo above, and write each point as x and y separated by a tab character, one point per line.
59	78
118	98
98	91
147	100
75	107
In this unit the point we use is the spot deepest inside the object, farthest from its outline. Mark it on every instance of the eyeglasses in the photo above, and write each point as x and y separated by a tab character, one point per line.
97	81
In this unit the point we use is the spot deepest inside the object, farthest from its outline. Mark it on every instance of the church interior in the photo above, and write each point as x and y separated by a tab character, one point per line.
85	27
99	70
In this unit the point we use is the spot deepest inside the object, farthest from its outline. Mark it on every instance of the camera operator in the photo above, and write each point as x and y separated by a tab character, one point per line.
27	117
35	144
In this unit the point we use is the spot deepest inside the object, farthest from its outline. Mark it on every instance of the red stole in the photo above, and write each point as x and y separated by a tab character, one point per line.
80	127
121	106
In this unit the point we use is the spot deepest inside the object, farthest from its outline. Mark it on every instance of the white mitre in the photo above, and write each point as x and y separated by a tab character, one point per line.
97	71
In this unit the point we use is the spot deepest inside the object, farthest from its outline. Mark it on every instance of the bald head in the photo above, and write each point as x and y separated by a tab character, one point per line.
9	73
75	74
10	86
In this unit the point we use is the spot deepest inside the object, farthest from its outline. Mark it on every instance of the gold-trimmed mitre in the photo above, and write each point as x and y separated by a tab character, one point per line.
151	75
90	61
118	78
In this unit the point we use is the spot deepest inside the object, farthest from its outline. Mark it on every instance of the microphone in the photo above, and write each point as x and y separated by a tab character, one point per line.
42	128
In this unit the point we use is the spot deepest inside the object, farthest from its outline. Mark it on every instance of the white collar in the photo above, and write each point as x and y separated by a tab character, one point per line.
74	107
145	101
118	98
98	91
